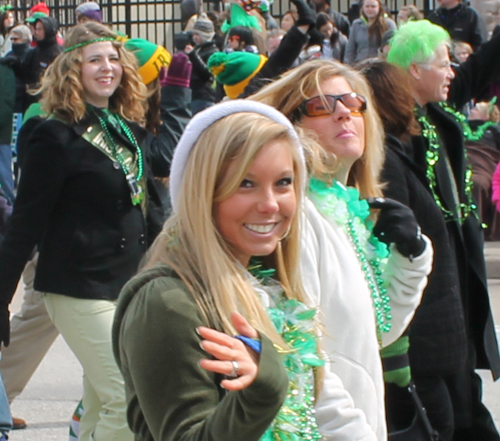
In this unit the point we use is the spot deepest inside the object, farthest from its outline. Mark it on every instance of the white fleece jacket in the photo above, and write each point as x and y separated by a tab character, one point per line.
351	404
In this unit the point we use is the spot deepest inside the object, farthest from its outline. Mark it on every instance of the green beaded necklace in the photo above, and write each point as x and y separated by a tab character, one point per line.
295	322
469	134
432	157
344	206
136	190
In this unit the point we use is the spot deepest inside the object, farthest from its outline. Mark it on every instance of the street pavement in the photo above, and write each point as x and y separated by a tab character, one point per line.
50	398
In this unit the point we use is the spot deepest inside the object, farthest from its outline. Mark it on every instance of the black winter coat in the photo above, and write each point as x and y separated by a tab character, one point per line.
438	343
74	202
201	78
462	23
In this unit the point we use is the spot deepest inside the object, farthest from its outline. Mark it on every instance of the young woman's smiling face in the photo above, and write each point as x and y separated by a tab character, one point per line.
101	72
254	218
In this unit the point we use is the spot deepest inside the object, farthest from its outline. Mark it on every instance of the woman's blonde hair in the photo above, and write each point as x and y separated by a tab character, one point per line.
190	242
62	89
287	93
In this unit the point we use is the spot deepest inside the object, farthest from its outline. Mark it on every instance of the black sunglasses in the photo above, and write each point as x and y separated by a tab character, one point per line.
327	104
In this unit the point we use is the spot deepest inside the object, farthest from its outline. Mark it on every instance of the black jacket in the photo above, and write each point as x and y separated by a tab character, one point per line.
438	344
201	78
74	202
20	51
462	23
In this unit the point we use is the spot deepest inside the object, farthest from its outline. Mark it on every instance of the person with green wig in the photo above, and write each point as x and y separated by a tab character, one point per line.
444	372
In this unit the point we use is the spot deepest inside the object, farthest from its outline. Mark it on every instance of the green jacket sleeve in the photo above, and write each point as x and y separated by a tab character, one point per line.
169	396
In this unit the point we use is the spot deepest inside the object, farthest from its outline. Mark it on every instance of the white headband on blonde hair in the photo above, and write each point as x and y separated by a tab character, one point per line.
203	120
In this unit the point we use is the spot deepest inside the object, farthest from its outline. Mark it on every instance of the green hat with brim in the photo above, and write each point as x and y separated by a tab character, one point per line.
36	16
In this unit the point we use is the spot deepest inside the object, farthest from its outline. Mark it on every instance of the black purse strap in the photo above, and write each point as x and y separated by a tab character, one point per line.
422	413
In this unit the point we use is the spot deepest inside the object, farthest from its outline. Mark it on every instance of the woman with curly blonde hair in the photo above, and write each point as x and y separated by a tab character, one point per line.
86	199
64	92
366	291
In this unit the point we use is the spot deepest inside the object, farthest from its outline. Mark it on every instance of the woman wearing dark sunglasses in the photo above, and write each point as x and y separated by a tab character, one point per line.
366	279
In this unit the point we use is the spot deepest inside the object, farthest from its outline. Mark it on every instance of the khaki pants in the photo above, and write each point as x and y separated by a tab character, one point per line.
86	327
31	336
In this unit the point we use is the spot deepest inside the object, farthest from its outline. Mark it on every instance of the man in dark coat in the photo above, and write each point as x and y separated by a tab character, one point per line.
46	50
462	22
438	157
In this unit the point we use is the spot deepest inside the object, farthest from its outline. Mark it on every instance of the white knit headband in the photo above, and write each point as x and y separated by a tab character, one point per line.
203	120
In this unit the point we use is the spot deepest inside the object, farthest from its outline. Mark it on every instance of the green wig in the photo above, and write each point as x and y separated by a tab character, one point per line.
416	42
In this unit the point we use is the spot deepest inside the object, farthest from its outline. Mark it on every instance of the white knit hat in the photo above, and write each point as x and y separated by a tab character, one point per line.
203	120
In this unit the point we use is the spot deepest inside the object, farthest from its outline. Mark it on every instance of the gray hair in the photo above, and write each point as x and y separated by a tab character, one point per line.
23	32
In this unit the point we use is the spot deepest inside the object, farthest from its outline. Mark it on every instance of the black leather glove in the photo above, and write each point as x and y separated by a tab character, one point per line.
307	16
4	324
397	224
10	60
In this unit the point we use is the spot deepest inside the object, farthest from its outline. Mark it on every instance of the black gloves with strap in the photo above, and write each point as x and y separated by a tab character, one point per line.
397	224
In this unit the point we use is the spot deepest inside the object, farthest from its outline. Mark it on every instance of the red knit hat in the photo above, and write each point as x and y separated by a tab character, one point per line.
40	7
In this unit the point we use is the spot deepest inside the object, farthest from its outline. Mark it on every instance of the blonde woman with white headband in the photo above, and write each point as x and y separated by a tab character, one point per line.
213	337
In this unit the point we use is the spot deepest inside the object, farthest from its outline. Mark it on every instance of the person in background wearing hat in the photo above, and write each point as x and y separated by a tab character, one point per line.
40	10
201	78
235	70
32	331
169	103
88	11
30	21
240	38
244	73
46	50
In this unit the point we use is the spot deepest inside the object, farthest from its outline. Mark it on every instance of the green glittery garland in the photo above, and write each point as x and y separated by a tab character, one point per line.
344	206
432	157
295	322
86	43
469	134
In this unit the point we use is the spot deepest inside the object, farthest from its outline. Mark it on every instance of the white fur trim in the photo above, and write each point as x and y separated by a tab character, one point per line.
203	120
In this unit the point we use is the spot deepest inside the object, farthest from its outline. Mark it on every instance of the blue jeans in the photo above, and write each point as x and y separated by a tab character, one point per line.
6	178
5	418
